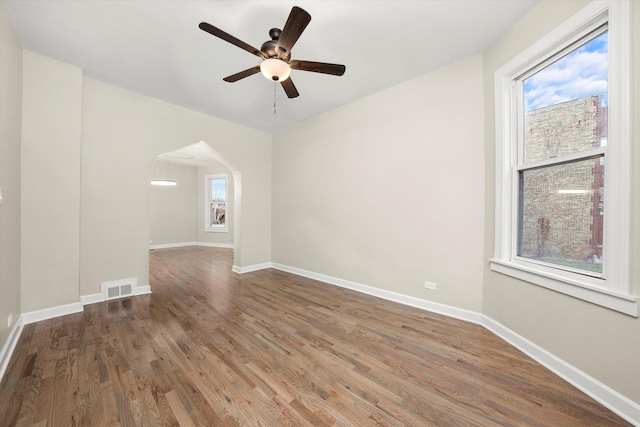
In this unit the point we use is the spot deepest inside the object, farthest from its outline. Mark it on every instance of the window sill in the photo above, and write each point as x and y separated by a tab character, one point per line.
626	304
216	230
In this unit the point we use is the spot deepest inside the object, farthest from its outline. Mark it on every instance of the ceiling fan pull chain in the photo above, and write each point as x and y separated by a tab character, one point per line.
274	98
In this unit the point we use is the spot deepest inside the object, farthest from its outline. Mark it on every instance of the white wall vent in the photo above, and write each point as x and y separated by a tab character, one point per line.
119	288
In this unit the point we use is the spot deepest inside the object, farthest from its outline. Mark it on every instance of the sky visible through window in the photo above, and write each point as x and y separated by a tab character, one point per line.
218	189
581	73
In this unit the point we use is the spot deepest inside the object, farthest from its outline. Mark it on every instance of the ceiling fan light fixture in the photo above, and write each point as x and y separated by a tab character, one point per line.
275	69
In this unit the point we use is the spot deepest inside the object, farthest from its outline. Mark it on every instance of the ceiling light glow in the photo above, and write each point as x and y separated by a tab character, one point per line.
165	182
275	69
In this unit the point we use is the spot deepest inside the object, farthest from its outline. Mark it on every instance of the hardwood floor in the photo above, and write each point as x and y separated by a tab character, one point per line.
210	347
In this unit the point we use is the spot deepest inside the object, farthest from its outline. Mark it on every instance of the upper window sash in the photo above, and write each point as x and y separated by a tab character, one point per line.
581	155
581	38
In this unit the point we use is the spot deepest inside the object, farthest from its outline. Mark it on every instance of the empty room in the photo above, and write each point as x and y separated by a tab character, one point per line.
319	213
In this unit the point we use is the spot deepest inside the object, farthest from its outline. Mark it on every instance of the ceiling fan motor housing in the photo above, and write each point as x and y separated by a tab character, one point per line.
269	47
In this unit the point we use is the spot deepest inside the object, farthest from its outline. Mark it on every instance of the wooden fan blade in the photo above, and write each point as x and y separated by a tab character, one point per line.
318	67
229	38
290	88
242	74
295	25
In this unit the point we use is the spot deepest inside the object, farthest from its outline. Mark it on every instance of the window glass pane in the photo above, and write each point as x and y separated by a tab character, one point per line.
218	189
561	214
217	202
565	103
217	213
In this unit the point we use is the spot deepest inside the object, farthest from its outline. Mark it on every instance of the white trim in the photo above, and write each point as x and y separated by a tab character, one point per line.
615	277
616	402
172	245
617	191
51	312
184	244
560	38
434	307
613	400
92	299
10	345
565	158
96	298
217	229
250	268
626	304
142	290
216	245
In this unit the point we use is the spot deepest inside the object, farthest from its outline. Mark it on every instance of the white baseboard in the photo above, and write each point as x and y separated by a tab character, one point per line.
600	392
216	245
447	310
51	312
92	299
142	290
100	297
172	245
616	402
183	244
250	268
10	345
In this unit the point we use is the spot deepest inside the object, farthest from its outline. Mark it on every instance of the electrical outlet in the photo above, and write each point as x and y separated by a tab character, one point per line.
9	320
430	285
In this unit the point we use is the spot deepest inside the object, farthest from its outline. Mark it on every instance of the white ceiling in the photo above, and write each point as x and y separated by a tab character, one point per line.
194	155
154	47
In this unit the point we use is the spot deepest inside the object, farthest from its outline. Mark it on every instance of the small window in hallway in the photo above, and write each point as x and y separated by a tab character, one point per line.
216	202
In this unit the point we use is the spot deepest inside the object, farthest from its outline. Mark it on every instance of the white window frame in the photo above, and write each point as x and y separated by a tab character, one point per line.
216	228
613	288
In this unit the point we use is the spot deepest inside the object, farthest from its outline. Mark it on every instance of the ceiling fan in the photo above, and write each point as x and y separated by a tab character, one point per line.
276	62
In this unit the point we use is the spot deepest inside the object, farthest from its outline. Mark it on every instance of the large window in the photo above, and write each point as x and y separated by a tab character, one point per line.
216	203
562	132
562	113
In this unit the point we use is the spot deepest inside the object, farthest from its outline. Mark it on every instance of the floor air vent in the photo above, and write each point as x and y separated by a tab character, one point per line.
119	288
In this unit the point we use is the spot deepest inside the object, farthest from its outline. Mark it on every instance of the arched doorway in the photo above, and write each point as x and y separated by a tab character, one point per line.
204	159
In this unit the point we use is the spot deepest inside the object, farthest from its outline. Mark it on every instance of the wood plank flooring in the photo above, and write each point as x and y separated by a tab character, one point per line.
213	348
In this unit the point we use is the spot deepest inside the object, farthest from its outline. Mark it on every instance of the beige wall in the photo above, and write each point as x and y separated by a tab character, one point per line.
107	216
603	343
122	132
177	213
388	191
225	238
10	135
172	213
51	117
